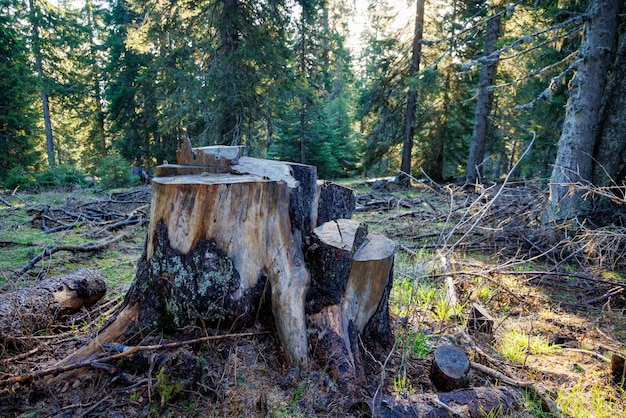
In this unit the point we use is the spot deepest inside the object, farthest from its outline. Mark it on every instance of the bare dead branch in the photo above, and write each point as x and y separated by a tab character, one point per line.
545	398
7	203
126	351
89	247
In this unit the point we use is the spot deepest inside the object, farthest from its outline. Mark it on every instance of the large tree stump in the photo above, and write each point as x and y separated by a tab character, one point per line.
225	249
25	311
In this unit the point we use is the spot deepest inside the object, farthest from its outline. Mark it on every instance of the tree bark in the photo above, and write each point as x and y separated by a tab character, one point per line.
483	102
409	123
97	85
36	49
351	273
611	142
25	311
575	148
335	202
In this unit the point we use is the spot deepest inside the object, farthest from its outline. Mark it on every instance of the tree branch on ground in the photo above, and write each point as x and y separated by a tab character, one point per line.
85	248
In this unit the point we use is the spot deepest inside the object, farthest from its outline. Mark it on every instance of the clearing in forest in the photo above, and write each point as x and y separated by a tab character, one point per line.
556	298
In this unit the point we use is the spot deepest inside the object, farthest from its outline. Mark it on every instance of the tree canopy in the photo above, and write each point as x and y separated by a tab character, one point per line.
444	90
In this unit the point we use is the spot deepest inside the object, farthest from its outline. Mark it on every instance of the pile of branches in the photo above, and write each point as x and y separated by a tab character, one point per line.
123	211
115	212
503	221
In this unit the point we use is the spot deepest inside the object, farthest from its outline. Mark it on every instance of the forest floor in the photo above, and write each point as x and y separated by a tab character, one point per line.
557	297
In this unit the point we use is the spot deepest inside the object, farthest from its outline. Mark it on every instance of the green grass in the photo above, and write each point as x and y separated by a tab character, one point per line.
516	345
416	343
591	397
117	263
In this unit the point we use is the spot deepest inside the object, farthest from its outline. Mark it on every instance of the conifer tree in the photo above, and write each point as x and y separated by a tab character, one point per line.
17	95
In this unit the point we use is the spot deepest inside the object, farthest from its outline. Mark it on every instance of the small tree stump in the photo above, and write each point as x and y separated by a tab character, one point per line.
31	309
480	320
351	272
335	202
618	370
450	369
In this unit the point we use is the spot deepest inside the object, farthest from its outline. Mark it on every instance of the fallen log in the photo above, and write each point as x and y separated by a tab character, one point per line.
28	310
473	402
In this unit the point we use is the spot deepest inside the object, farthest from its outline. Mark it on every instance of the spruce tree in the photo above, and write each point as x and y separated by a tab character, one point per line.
18	95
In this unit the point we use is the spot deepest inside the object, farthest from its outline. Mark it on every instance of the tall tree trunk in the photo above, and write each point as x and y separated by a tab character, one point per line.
611	142
229	124
303	93
483	102
409	124
575	148
36	45
97	92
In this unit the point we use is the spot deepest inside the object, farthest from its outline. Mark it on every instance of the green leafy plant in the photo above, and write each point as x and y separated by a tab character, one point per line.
61	176
167	388
417	343
18	177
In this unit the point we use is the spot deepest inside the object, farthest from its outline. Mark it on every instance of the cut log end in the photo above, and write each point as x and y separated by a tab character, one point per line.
450	369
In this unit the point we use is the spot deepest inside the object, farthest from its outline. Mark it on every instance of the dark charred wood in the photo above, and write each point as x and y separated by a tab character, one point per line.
474	402
197	287
480	320
618	370
450	369
335	202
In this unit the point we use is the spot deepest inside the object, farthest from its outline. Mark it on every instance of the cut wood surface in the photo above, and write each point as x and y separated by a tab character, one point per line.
450	368
25	311
351	271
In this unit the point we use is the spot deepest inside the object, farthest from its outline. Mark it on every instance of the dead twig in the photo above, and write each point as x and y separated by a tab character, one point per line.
616	291
89	247
486	208
548	403
593	354
126	351
7	203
